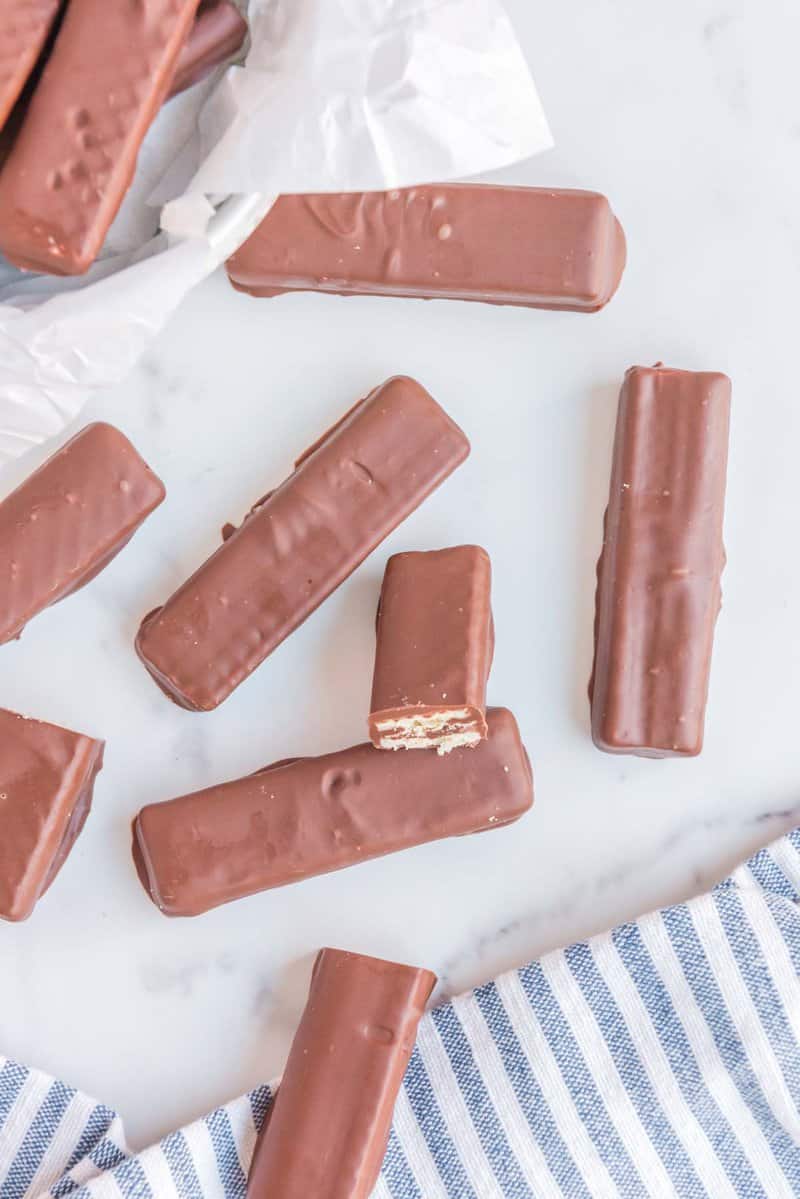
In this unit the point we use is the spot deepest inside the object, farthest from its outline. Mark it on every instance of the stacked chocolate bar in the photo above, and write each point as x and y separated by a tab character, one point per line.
309	816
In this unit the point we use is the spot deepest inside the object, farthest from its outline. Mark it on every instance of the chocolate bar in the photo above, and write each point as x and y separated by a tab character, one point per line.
310	816
24	30
435	640
47	777
326	1134
74	157
346	494
66	522
528	246
658	590
218	33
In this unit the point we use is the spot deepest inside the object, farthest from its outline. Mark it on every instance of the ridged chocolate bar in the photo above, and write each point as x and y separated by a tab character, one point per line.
528	246
24	28
435	640
310	816
347	493
67	521
46	780
658	592
74	157
326	1134
218	33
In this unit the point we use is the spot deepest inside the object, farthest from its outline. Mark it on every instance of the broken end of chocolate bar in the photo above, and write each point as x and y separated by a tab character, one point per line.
428	727
47	777
434	649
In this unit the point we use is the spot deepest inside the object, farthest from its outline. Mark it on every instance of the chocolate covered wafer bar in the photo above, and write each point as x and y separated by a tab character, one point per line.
67	521
658	592
24	29
347	493
73	160
218	33
310	816
326	1134
46	781
528	246
435	640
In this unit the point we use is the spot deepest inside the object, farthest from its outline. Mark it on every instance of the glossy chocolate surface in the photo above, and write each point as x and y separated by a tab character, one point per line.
326	1134
218	33
528	246
74	157
658	592
347	493
47	776
67	521
24	29
434	650
310	816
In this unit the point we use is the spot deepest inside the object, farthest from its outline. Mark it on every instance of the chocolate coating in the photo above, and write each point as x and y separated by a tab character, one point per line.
658	591
503	245
24	28
434	650
46	782
74	157
67	521
346	494
295	820
326	1135
218	33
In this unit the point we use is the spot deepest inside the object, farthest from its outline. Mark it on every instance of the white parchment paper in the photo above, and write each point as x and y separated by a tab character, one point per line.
335	95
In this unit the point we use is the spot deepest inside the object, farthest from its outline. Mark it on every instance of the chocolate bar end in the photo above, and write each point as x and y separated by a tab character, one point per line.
47	777
69	519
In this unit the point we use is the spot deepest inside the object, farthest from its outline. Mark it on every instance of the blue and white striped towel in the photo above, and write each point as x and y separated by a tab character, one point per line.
660	1059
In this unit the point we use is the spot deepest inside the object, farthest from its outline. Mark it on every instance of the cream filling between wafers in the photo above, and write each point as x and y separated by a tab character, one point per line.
423	732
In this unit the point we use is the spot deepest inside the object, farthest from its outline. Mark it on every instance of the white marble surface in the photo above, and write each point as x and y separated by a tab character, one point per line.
686	115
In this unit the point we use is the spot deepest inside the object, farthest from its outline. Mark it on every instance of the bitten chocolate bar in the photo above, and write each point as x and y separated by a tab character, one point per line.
74	157
67	521
326	1134
46	781
658	592
218	33
347	493
310	816
435	640
504	245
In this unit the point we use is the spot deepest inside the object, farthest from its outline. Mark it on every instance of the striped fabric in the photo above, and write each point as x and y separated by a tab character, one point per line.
660	1059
